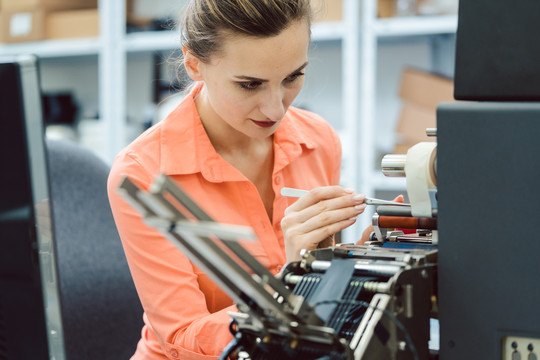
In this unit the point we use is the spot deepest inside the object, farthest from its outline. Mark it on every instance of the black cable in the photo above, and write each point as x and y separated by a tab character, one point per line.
230	348
391	316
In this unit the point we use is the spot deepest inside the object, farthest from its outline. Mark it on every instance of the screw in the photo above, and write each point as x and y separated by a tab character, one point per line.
402	345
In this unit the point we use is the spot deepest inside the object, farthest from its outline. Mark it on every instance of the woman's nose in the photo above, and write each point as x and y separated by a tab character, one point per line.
272	105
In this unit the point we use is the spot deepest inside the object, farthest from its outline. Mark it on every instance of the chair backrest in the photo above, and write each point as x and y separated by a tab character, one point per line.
101	310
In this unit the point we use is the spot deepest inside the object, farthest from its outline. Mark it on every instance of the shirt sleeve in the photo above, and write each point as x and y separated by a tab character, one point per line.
166	281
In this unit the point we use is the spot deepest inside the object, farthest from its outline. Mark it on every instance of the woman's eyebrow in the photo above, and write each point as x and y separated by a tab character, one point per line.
251	78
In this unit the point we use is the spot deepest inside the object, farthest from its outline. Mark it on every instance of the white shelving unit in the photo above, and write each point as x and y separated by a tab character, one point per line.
54	48
359	35
414	26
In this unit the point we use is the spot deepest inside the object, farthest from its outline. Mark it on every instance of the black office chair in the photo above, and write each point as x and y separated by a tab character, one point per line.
101	311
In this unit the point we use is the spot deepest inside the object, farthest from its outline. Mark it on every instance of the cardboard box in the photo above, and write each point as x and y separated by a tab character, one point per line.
327	10
421	93
37	25
72	24
144	12
20	26
386	8
425	89
413	122
17	5
437	7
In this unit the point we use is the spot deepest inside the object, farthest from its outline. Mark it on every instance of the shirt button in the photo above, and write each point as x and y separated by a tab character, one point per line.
278	180
174	353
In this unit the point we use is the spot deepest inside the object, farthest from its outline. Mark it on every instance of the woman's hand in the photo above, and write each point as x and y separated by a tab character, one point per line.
317	216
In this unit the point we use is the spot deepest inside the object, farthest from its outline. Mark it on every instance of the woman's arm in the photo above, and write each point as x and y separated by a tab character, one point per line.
168	284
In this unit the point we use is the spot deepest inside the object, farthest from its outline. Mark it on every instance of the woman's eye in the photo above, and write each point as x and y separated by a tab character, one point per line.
249	85
293	77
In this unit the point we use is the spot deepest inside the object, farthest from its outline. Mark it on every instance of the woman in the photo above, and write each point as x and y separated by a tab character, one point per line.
232	144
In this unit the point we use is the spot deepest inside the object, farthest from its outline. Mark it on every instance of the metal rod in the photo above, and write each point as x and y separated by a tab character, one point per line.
393	165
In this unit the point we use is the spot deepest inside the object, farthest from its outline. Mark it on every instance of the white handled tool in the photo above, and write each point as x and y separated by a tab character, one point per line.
291	192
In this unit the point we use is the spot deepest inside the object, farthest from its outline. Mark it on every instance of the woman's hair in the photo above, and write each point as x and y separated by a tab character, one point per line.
206	23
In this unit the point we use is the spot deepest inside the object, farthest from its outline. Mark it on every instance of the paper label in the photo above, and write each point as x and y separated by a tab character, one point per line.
20	24
419	181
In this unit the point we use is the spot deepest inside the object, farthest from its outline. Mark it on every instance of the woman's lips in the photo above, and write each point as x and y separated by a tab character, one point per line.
264	124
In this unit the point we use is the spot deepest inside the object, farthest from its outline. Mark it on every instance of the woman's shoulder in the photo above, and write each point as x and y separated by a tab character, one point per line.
146	148
143	144
138	159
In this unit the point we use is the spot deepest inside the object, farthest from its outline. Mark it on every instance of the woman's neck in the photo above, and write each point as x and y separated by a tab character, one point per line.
226	139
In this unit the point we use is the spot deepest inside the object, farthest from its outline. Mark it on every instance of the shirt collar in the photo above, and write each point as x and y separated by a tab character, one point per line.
186	148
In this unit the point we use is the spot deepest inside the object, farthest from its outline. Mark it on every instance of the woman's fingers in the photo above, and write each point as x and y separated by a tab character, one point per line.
310	240
319	194
365	235
329	217
323	200
317	216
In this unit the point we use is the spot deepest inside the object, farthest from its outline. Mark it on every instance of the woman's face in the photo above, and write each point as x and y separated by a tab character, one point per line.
252	82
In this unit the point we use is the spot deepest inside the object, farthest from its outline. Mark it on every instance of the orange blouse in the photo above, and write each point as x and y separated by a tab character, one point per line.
185	312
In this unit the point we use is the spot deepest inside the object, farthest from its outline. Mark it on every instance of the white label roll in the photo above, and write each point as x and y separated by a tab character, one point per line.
420	177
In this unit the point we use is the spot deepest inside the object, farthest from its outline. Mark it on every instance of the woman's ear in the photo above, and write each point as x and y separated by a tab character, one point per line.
192	65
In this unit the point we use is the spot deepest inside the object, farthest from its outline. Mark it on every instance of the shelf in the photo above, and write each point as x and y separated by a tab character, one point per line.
134	42
169	40
152	41
416	25
54	48
327	31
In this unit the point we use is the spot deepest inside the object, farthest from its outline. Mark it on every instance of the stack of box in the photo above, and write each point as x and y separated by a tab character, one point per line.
142	12
34	20
421	93
146	13
327	10
386	8
395	8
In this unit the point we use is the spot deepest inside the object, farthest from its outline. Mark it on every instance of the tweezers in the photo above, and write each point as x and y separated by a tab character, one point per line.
291	192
